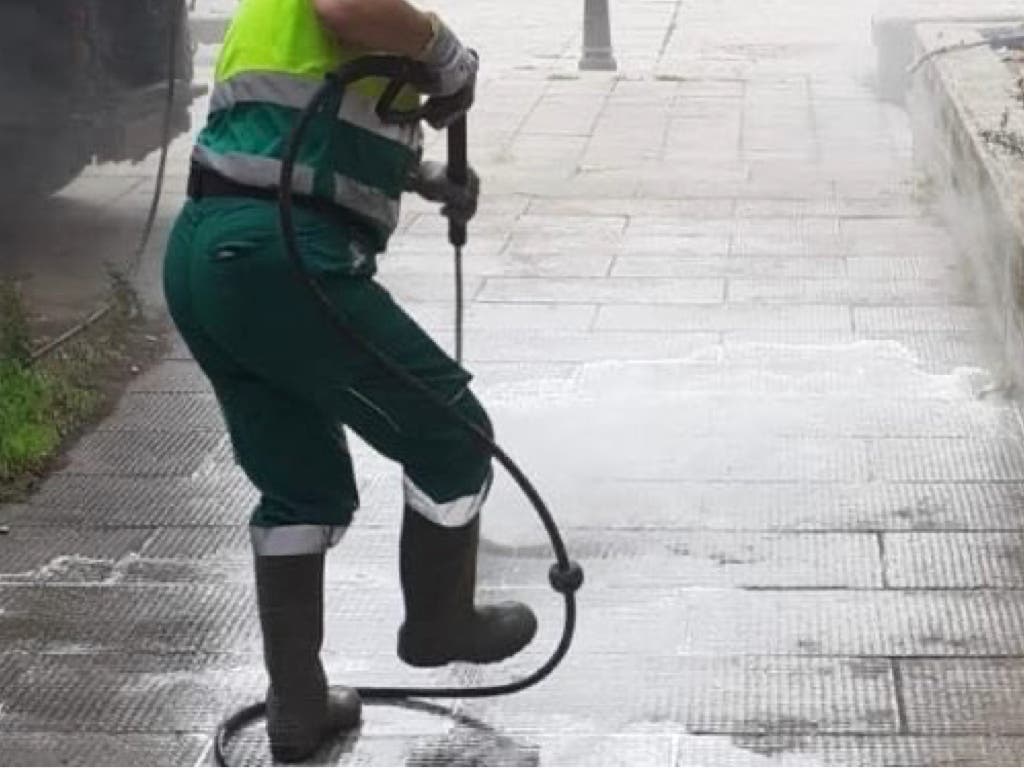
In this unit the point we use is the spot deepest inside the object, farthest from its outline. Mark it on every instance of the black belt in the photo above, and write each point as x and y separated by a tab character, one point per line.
205	182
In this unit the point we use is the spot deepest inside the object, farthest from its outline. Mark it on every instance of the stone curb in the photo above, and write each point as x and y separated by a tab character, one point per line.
961	105
893	32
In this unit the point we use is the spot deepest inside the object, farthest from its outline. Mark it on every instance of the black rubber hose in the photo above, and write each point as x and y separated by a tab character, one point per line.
565	576
179	18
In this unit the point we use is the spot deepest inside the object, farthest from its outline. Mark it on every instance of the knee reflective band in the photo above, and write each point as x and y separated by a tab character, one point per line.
450	514
280	540
566	576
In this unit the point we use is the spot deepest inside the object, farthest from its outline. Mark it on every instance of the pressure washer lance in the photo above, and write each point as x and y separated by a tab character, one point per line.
565	576
458	173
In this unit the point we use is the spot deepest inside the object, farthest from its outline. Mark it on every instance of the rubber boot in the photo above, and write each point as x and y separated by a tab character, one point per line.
301	713
442	624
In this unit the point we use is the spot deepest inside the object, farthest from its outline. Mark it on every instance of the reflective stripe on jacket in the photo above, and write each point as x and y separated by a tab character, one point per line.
275	56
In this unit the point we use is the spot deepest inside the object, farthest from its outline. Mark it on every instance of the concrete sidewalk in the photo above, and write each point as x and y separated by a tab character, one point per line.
713	316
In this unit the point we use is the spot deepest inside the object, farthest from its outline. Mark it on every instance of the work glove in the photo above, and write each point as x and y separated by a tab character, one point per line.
459	201
454	68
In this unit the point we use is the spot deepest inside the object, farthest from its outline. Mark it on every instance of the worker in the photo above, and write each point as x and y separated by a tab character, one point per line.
287	385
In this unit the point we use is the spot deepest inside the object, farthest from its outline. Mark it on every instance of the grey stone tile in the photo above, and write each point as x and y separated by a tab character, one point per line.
501	374
165	412
949	459
718	559
783	208
538	151
610	290
957	319
35	554
787	338
137	697
640	243
798	748
430	231
961	560
886	268
112	619
567	115
831	622
724	179
178	352
580	229
769	506
146	453
405	252
963	696
884	206
946	352
479	743
694	208
493	316
47	748
173	376
521	262
221	497
897	238
684	456
868	417
937	292
683	263
427	288
709	696
722	317
820	267
575	347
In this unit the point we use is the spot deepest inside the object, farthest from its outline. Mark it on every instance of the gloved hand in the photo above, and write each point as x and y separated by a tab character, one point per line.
441	112
454	67
459	202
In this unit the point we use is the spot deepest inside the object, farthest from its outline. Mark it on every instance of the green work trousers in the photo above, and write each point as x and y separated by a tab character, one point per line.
288	385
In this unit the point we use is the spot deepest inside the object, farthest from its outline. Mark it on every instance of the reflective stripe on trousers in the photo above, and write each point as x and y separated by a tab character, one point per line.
287	540
448	514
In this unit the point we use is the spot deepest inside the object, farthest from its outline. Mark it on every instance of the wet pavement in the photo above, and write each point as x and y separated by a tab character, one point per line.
714	316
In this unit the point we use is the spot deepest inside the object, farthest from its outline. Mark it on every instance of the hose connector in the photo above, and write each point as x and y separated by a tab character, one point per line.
566	580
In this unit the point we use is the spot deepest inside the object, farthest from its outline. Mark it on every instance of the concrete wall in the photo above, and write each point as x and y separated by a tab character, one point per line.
954	103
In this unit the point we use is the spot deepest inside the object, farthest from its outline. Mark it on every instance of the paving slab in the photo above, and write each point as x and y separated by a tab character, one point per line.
609	290
107	501
773	505
798	749
713	312
56	555
969	696
967	560
34	749
743	695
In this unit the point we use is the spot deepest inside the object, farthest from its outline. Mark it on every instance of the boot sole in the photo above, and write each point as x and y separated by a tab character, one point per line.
428	659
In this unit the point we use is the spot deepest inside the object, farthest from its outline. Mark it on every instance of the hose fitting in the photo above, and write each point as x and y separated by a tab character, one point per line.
566	579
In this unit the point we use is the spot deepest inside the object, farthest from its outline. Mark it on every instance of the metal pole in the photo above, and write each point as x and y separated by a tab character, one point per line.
597	37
